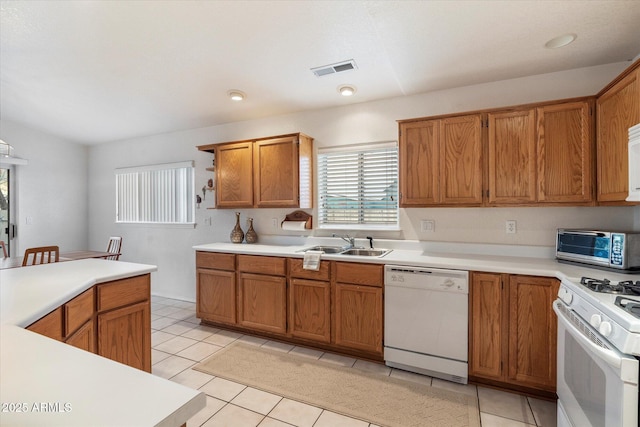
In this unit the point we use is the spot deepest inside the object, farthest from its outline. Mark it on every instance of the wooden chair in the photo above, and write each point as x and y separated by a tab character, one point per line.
4	249
41	255
114	246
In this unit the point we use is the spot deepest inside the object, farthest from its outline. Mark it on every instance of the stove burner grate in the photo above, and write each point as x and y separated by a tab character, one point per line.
603	286
629	305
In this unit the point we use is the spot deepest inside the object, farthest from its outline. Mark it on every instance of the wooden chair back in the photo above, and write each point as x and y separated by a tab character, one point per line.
4	249
114	246
41	255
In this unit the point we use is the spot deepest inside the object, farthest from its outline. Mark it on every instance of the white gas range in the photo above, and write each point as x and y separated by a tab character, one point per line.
598	351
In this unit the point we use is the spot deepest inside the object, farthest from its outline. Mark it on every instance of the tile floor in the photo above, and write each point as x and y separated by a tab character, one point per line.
180	342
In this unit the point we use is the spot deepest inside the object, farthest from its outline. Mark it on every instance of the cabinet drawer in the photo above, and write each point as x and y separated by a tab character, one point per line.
215	260
123	292
359	274
274	266
78	311
296	270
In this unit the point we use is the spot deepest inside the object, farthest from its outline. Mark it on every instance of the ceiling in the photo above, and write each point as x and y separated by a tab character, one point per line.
97	71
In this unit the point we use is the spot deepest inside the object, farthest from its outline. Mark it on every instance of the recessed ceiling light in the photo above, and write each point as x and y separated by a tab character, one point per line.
560	41
346	90
236	95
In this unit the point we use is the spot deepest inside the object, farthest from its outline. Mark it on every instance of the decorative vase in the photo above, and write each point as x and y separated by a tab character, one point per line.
251	235
237	235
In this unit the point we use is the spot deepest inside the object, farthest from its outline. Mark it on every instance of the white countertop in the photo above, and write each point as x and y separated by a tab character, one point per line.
421	258
77	388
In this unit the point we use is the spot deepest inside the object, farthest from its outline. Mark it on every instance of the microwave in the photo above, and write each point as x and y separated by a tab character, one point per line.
610	249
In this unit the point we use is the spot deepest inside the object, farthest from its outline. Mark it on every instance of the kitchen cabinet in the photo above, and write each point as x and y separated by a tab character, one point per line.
441	161
618	109
358	301
512	331
124	321
49	325
262	293
272	172
216	287
512	157
564	147
234	175
310	302
112	319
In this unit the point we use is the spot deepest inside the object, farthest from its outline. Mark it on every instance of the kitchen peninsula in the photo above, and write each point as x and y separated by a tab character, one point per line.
48	382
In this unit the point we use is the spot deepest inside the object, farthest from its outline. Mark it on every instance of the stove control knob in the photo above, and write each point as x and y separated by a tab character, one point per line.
596	320
565	296
605	329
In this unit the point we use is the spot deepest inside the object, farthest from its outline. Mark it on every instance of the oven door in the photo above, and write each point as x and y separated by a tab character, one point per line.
597	385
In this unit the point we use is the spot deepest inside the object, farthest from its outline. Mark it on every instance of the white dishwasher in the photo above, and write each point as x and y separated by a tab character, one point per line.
426	321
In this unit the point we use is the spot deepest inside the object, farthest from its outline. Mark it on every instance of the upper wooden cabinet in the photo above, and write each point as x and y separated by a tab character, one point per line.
512	153
441	161
273	172
234	175
535	154
618	108
564	147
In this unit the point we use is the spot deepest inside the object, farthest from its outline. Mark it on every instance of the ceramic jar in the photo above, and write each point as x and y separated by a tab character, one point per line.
237	235
251	236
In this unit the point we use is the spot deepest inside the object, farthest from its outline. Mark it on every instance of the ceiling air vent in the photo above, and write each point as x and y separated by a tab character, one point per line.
334	68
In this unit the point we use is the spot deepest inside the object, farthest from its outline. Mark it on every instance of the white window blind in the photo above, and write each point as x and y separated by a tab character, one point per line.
161	194
358	185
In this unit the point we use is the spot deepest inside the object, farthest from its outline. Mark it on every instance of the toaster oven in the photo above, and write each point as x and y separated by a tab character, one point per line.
616	250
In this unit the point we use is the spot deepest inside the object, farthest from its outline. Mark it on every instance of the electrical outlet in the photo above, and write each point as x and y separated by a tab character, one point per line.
274	223
511	227
427	226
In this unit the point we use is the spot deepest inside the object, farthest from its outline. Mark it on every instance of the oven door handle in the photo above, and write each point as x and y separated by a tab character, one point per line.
609	356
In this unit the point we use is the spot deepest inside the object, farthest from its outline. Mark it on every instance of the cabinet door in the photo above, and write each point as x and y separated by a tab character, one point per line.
618	109
276	173
310	309
124	335
262	302
532	331
564	153
234	175
460	160
358	317
50	325
418	161
488	337
512	157
84	338
216	295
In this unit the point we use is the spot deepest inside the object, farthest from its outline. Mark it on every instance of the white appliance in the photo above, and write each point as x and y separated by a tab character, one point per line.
598	349
426	321
634	164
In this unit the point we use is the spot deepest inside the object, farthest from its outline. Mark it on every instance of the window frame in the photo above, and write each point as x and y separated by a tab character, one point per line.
355	148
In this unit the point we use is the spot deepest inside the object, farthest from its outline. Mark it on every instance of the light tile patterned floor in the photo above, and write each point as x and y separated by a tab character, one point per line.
180	342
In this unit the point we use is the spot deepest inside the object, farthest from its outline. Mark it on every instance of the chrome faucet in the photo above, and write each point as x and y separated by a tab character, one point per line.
350	240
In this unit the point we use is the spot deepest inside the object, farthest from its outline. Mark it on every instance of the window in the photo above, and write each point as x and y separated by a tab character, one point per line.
157	194
358	186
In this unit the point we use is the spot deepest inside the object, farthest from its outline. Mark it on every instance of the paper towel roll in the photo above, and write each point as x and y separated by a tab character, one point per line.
293	225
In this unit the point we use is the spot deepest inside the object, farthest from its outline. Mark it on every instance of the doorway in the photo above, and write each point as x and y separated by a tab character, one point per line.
6	206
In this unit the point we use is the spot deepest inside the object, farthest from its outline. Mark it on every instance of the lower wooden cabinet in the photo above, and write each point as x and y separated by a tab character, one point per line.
112	319
358	317
310	309
216	295
84	338
124	335
513	330
357	306
262	302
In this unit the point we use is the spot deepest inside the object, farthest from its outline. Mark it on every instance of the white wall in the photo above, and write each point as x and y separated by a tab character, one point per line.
170	249
51	189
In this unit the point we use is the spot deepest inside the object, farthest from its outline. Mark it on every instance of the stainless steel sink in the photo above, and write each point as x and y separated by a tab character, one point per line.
326	249
366	252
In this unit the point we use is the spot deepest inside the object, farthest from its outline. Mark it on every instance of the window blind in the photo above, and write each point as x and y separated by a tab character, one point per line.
358	185
155	194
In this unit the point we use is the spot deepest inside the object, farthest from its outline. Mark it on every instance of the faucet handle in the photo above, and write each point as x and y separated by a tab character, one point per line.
370	242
